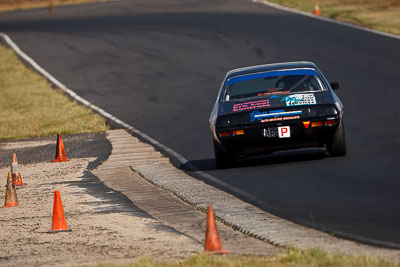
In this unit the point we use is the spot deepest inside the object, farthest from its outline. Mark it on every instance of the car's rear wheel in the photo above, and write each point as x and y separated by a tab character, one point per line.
337	145
222	158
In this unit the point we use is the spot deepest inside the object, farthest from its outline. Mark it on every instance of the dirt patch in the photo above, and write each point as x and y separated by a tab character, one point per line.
24	144
105	225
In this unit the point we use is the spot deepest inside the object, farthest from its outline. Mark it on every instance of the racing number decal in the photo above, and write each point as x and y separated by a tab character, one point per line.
284	132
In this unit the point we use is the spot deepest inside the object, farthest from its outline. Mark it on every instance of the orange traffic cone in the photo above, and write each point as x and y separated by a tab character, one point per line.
316	8
59	222
212	243
14	171
51	7
11	199
60	152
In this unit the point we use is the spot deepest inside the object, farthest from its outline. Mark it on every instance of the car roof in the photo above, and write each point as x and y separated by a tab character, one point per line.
269	67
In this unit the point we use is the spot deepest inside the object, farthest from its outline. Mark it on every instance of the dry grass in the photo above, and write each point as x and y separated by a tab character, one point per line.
382	15
292	257
8	5
29	107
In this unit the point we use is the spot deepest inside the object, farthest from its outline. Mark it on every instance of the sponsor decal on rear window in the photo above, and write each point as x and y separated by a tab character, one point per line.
251	105
257	115
299	99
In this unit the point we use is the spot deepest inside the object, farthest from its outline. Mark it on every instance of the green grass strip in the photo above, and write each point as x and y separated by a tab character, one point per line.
30	107
292	257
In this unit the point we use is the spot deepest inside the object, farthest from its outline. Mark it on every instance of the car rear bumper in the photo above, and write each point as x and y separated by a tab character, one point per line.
262	138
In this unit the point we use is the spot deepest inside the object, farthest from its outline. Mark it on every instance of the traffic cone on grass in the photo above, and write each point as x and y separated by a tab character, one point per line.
60	151
11	199
212	243
51	7
14	172
316	8
59	223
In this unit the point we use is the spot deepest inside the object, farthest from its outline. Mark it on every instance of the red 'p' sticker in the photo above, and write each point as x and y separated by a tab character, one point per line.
284	131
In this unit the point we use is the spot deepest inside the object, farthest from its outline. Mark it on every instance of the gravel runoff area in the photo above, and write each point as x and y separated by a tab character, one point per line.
106	226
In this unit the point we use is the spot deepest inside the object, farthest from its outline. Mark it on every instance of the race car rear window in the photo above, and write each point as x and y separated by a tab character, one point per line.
273	82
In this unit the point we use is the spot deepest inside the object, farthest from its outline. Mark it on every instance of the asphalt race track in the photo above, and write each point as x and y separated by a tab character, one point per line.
158	65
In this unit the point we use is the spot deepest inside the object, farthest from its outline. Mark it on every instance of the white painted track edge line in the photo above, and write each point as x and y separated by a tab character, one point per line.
310	15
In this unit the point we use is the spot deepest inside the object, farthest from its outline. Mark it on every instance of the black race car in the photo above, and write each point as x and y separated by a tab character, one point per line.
262	109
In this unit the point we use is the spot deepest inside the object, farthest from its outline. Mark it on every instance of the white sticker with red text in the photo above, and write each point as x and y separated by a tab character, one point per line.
284	131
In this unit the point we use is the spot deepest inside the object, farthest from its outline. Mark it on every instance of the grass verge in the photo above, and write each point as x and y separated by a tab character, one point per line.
30	107
292	257
382	15
8	5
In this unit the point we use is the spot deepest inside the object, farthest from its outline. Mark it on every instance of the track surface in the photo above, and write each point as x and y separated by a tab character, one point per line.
158	65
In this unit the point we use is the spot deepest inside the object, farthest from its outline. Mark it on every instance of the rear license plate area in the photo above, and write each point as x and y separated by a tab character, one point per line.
270	132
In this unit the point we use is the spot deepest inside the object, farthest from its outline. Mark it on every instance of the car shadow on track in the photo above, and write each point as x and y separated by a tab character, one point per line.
282	157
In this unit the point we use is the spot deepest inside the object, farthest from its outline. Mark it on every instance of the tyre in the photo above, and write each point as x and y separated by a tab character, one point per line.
337	146
222	158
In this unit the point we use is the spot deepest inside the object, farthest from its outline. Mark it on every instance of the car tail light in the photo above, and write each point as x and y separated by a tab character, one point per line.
306	124
238	132
330	122
224	133
316	124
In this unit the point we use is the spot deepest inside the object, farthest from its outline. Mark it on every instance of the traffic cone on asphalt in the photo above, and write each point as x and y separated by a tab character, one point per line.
60	152
17	179
212	243
11	199
316	8
59	223
51	7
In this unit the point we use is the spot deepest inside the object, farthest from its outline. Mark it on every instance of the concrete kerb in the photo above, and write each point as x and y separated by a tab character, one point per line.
256	223
246	218
164	205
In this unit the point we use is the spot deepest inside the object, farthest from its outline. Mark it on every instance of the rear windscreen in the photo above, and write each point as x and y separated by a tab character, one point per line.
273	82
